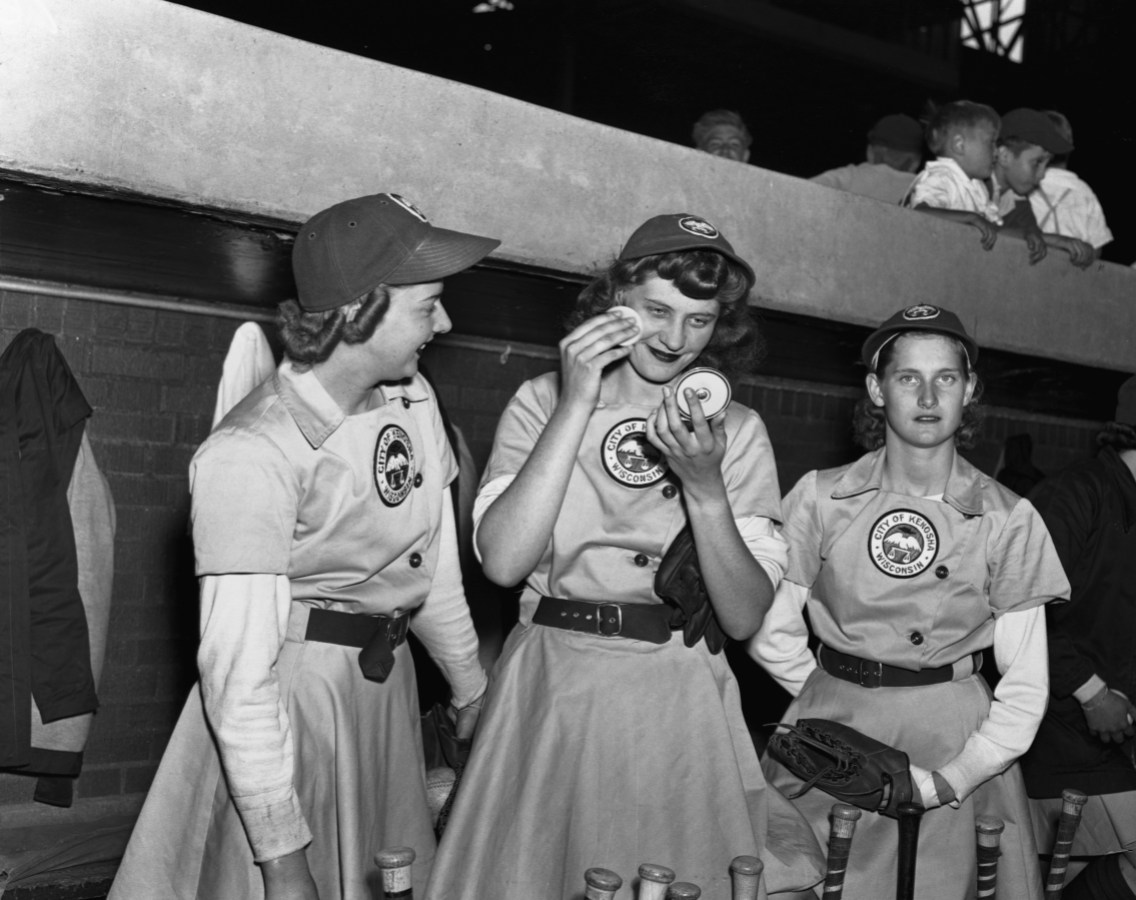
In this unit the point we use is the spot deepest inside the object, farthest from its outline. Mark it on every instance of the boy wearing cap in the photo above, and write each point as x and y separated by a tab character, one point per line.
1027	142
1086	739
895	148
322	529
1063	203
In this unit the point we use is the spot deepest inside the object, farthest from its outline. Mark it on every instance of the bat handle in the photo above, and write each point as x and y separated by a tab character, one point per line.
683	890
653	881
909	815
1072	802
745	877
395	862
844	818
988	834
601	884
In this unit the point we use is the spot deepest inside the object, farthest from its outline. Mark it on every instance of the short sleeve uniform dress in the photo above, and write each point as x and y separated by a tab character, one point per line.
600	750
345	511
917	583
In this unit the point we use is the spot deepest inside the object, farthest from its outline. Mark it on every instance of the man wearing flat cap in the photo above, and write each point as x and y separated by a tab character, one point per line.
1027	142
1086	740
895	149
322	529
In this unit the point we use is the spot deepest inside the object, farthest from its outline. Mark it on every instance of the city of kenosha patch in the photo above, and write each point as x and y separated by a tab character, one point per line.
394	465
628	456
903	543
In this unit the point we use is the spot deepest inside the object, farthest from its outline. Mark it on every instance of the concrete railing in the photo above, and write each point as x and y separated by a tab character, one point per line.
168	101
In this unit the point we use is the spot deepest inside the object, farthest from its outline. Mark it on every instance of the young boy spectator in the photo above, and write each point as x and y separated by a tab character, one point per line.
962	136
1026	144
895	149
1063	203
722	132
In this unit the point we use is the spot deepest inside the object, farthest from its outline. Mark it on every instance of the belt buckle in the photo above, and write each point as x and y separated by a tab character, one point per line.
871	673
601	619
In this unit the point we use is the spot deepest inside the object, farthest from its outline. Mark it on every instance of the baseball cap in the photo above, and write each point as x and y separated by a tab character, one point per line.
899	132
351	248
1035	127
674	232
1126	403
923	317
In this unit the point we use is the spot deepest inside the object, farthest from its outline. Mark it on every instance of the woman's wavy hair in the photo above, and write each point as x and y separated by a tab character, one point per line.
1117	435
735	348
869	424
309	337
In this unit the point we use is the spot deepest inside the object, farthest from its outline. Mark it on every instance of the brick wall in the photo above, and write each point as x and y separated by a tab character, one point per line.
151	377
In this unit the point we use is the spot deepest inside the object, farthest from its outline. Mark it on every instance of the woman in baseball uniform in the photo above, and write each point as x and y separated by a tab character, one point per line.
606	741
322	529
910	562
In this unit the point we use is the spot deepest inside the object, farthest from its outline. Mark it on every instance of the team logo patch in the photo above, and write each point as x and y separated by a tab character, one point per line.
628	456
408	206
394	465
903	543
921	313
699	226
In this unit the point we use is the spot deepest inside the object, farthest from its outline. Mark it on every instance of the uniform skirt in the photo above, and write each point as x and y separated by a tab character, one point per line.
358	772
603	751
931	724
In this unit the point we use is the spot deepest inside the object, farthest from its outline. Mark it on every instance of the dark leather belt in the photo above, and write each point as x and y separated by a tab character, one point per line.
638	621
375	636
329	626
872	674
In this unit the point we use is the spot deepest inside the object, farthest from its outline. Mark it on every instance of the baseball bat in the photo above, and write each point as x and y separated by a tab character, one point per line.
601	884
1072	801
653	881
988	834
683	890
394	862
745	877
844	818
909	815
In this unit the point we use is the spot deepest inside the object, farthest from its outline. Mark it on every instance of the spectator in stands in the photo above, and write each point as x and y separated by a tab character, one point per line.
1086	738
1026	144
722	132
962	135
1063	204
895	149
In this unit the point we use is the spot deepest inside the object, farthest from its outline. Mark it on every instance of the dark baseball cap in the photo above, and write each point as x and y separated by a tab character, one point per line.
352	247
899	132
1035	127
923	317
674	232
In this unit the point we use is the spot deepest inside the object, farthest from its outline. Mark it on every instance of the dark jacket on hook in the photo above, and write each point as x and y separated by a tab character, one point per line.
44	644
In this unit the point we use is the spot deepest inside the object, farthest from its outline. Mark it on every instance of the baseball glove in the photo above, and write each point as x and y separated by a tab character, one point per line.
679	583
844	763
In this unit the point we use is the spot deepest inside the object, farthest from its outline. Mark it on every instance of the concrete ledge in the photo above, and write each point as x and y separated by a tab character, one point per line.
176	103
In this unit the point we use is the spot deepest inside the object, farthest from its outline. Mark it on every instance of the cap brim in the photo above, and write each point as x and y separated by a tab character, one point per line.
442	253
877	340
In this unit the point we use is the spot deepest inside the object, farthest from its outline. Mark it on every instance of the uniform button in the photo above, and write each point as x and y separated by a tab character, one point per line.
405	403
415	560
669	491
641	560
916	638
942	571
418	480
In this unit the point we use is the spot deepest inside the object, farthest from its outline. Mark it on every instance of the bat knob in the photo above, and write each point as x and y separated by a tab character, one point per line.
394	857
660	874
